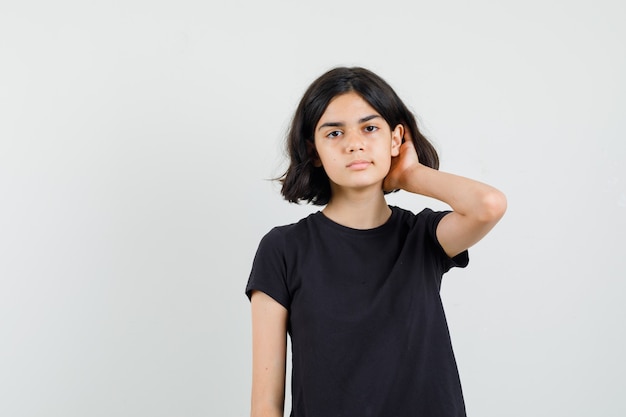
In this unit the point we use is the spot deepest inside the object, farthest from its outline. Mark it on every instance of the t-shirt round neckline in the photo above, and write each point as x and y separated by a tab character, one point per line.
326	221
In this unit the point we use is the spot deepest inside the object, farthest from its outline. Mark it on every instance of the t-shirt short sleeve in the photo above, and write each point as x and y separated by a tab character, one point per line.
269	270
432	221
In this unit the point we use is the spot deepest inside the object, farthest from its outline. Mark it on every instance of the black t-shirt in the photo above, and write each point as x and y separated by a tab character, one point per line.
368	332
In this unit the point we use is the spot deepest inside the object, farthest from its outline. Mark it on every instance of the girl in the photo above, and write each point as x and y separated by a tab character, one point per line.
356	285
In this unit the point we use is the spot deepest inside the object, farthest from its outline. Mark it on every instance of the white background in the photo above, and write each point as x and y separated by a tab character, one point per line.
137	137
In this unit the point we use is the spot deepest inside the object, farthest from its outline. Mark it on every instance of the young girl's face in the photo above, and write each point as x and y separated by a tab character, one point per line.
355	144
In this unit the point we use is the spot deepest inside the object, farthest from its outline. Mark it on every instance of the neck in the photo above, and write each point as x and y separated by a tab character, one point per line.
358	211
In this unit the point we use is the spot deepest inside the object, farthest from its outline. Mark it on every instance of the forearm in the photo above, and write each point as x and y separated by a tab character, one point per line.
465	196
268	395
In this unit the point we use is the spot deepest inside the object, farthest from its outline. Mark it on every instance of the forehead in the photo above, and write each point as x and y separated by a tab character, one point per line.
346	107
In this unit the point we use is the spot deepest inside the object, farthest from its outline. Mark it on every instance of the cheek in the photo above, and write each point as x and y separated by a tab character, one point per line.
386	164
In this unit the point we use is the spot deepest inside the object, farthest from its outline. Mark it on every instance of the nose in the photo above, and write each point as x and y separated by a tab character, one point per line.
354	142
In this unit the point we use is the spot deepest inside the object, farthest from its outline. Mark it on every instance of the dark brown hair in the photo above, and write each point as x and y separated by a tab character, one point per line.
303	181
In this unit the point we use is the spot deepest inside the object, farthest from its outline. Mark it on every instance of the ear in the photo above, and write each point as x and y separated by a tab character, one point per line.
396	139
310	148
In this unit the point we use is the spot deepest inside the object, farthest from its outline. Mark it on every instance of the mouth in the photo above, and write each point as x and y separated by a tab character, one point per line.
359	164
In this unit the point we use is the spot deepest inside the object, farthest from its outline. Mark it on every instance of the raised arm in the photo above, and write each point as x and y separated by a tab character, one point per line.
269	353
477	207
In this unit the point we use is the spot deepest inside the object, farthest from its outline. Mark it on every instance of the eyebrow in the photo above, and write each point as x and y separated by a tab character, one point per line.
340	124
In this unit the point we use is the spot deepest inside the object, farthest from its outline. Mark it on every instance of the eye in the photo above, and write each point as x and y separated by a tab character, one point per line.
333	134
371	128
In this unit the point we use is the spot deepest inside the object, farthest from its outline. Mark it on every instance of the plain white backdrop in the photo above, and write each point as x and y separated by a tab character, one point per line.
136	143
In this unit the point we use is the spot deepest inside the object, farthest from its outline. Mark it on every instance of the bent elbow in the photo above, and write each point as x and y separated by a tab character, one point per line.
494	206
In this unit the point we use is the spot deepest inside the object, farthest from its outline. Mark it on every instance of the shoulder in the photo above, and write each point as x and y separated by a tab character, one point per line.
289	234
276	259
424	227
422	230
427	217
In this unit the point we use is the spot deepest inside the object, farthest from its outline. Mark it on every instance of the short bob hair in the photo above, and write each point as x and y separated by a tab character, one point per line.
303	181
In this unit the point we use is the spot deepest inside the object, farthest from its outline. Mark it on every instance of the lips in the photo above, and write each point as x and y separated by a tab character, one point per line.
359	164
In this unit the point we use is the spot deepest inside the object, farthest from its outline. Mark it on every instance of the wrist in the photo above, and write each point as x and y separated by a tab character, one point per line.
412	178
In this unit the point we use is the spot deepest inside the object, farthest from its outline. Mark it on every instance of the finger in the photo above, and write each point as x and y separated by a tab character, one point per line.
407	134
408	143
408	148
